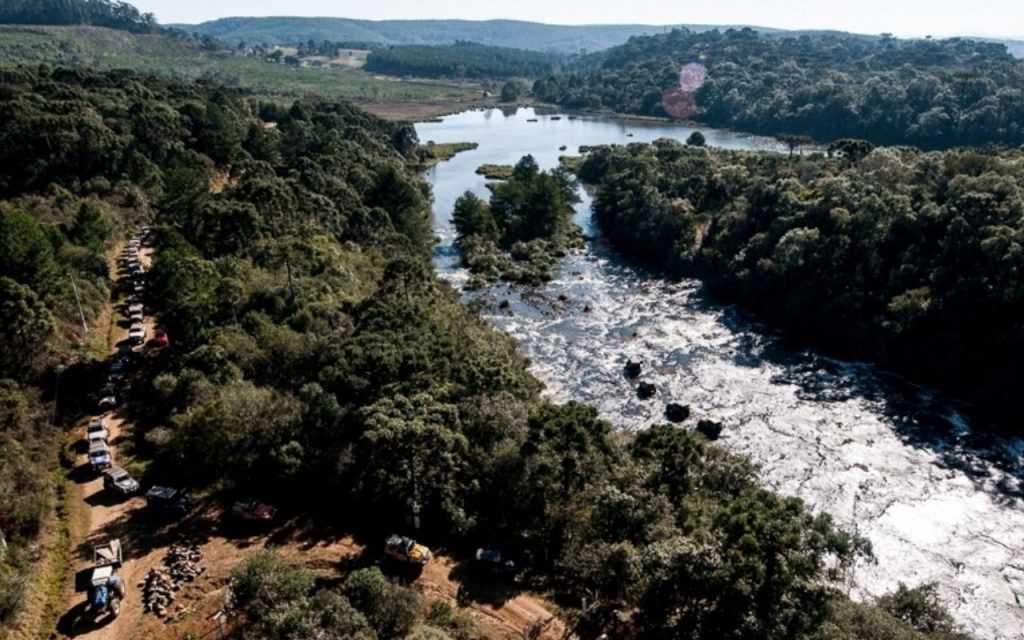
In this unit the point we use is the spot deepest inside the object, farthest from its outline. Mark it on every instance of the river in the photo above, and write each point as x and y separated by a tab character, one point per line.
900	465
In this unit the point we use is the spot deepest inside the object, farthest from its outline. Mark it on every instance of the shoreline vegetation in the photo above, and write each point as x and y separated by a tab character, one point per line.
525	228
849	250
496	171
433	153
929	93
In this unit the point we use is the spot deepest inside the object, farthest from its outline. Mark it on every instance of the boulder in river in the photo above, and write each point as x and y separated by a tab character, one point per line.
646	390
710	429
677	412
633	369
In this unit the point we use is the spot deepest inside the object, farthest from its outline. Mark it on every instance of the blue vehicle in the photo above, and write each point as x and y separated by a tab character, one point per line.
106	588
105	595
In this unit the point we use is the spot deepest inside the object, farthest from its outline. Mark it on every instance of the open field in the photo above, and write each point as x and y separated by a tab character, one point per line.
99	48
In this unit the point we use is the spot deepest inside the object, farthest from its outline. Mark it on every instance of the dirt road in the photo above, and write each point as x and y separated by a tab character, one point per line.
500	612
109	517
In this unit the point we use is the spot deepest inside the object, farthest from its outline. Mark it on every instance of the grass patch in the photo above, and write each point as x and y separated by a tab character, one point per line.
433	153
570	163
495	171
47	587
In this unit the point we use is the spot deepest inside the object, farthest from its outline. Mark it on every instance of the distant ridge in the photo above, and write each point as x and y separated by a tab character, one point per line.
503	33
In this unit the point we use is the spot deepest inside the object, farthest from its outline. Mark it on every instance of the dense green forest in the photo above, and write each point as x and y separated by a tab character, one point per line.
911	259
461	60
314	347
97	13
928	93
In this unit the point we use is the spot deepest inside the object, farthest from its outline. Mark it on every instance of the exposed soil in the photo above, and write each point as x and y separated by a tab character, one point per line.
500	611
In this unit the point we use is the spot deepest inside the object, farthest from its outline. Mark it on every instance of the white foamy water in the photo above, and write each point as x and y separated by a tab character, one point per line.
895	463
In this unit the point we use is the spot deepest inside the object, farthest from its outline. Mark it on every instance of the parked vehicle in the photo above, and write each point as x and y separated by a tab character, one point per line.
115	372
168	500
160	338
253	510
96	431
117	480
406	549
106	588
137	334
493	561
135	316
99	456
107	399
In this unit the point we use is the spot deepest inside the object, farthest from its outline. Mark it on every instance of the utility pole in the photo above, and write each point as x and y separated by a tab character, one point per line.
78	301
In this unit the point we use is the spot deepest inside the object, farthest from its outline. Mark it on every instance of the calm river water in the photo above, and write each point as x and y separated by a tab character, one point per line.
898	464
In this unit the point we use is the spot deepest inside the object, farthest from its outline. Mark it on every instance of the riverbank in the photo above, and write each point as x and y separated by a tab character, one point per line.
891	461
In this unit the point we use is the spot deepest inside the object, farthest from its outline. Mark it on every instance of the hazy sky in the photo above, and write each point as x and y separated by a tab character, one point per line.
902	17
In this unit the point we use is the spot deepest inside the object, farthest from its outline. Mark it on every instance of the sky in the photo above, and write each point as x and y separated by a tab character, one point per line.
904	18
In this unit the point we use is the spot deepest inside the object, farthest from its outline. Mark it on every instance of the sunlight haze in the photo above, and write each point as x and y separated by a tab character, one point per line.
912	18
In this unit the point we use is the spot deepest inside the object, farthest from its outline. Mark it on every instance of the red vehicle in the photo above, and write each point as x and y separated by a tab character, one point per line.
253	510
160	338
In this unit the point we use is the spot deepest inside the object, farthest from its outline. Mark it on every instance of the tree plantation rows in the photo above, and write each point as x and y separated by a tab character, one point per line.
461	60
316	354
929	93
909	258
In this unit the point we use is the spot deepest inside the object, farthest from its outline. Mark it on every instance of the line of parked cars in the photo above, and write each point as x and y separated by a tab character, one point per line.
97	435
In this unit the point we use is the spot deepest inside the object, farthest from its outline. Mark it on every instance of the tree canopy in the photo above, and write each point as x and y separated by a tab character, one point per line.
98	13
908	258
929	93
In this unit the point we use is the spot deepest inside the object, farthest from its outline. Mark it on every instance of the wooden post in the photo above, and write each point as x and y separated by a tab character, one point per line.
78	301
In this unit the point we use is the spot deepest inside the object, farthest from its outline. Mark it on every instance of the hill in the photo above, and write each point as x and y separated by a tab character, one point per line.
929	93
1015	47
500	33
187	59
102	13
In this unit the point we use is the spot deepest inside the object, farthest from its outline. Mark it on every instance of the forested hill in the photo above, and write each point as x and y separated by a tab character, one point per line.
930	93
97	13
463	60
499	33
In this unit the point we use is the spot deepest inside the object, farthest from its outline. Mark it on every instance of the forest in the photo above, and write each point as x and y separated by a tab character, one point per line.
461	60
314	346
933	94
98	13
911	259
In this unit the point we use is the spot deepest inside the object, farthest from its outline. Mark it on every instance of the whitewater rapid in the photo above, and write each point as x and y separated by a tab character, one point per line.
939	501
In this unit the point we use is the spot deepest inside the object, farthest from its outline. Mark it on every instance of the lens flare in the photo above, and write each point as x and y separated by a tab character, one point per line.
680	102
692	77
